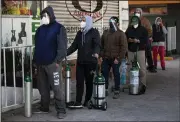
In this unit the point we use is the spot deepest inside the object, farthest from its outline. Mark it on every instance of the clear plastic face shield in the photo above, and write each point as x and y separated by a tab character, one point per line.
112	23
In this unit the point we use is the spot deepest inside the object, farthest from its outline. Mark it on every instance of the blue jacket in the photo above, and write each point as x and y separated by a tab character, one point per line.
50	41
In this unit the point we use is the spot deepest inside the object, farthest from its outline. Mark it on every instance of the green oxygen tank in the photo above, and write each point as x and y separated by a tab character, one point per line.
28	95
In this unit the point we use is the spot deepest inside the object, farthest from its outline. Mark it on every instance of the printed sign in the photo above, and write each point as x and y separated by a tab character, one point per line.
75	9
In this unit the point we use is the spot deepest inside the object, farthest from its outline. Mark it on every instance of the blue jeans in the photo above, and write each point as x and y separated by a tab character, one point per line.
106	66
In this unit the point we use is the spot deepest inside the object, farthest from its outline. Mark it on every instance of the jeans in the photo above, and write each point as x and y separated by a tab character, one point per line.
106	66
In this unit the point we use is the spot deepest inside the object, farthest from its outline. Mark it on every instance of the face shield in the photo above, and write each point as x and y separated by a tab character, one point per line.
112	24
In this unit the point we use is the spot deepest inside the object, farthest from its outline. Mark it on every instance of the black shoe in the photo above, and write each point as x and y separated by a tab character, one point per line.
142	90
41	111
116	95
61	115
152	70
75	105
106	92
163	68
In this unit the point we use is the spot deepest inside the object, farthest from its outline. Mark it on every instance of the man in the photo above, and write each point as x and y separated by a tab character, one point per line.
145	22
159	32
87	42
50	50
113	50
137	37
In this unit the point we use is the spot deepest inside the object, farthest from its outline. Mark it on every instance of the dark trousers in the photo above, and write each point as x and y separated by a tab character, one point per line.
106	66
149	55
50	76
84	73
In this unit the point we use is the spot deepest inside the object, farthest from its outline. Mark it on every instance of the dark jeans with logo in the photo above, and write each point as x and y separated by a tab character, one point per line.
50	76
106	66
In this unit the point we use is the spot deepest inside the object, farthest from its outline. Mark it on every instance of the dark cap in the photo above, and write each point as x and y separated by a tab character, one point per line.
134	20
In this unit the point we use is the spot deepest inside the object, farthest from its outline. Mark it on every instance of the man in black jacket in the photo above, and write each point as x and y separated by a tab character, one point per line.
137	37
87	42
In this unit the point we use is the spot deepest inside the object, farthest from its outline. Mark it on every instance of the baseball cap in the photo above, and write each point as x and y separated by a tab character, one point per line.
134	20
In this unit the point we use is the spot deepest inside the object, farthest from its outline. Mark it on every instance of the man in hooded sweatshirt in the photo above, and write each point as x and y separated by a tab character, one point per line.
50	50
113	49
137	36
145	23
87	42
159	32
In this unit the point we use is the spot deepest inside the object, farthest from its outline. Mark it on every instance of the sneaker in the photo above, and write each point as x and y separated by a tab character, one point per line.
106	92
163	68
41	111
75	105
61	115
116	95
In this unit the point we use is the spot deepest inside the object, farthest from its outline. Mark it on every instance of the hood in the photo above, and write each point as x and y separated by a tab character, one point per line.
139	21
50	12
157	19
140	10
89	24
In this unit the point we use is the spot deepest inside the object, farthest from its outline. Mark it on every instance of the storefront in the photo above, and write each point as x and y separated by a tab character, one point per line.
21	19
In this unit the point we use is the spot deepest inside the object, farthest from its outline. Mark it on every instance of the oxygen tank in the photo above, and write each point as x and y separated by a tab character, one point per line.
134	80
67	83
28	96
99	90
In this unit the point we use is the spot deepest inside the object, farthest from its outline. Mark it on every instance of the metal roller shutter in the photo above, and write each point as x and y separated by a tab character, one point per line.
61	10
112	10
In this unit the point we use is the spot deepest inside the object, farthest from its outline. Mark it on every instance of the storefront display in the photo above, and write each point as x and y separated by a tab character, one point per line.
19	7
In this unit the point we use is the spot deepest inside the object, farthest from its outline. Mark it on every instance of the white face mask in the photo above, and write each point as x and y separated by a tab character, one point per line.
135	26
137	14
158	23
45	20
83	24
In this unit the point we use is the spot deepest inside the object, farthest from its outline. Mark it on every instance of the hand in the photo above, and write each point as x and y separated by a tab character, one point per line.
116	61
150	39
95	55
161	24
136	41
57	65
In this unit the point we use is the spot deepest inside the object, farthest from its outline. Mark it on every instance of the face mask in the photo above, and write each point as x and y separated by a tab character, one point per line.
158	23
135	26
45	20
137	14
83	24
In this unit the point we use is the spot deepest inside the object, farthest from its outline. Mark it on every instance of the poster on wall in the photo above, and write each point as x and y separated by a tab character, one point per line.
16	31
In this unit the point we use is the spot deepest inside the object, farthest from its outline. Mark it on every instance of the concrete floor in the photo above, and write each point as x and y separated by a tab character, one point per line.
160	103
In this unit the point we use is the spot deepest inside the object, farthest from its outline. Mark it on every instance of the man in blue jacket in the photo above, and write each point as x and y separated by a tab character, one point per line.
50	50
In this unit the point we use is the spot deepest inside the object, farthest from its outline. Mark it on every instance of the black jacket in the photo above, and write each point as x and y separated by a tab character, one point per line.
158	35
137	33
86	48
